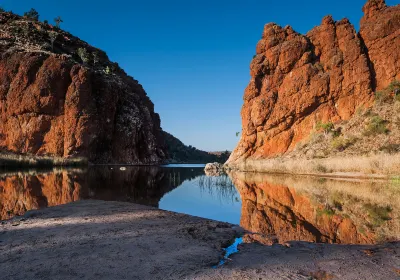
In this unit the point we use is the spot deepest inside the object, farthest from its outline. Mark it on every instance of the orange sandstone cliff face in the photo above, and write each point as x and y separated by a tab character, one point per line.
52	103
325	75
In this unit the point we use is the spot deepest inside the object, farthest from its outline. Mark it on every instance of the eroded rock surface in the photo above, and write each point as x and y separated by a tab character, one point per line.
53	103
323	76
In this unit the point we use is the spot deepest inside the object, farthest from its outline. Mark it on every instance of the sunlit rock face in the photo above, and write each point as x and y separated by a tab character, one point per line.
323	76
380	31
52	103
280	209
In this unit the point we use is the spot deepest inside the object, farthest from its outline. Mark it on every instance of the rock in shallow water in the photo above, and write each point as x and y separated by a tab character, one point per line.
214	169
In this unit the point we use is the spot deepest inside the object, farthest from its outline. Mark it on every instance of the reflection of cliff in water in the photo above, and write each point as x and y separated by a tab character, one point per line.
286	208
143	185
23	191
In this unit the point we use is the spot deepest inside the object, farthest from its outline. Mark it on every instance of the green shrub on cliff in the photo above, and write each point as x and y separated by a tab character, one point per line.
378	214
95	58
376	126
395	87
387	95
53	38
325	127
382	96
84	55
342	143
32	14
2	10
325	212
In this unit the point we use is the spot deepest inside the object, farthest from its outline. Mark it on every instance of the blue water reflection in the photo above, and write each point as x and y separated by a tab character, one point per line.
207	197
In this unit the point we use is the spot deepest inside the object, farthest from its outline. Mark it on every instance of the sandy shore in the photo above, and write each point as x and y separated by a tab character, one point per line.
114	240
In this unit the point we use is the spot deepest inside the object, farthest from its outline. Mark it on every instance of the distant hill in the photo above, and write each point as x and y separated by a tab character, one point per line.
177	152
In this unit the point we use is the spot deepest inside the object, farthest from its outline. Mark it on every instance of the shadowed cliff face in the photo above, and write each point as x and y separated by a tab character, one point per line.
280	209
324	76
23	191
53	103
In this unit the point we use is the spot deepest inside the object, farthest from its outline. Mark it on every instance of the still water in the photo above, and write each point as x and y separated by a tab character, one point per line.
276	209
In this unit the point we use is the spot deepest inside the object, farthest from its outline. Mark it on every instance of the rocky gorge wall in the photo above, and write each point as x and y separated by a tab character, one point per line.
55	102
323	76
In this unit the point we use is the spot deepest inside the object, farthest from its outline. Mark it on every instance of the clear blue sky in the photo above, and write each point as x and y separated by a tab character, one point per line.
192	57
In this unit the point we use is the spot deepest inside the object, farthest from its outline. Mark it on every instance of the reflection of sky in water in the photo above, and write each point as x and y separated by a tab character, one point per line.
221	203
232	249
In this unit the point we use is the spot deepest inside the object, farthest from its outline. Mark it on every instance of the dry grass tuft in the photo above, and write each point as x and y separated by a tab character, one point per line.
380	165
11	160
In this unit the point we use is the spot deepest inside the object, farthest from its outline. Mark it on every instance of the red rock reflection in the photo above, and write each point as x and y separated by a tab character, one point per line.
279	213
22	192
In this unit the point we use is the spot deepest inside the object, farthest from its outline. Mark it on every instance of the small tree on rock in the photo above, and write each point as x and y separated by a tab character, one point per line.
58	21
32	14
2	10
53	37
95	58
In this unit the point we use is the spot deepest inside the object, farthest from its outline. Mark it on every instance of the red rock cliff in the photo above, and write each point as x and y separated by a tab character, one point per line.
52	103
325	75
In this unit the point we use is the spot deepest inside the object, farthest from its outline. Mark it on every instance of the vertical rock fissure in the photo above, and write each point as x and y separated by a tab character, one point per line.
369	61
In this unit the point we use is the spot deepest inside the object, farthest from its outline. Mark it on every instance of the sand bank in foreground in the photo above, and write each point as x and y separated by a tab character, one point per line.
114	240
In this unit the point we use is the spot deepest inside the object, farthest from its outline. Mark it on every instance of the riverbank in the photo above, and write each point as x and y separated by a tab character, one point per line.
12	160
115	240
376	167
